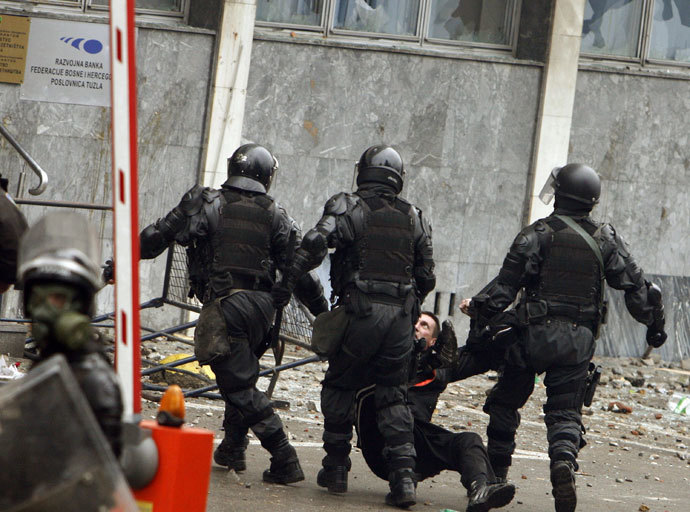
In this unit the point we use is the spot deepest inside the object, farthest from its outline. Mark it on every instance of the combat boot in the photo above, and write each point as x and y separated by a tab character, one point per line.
285	467
485	496
333	475
231	455
563	483
403	489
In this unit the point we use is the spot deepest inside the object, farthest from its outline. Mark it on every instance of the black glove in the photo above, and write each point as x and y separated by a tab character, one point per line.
108	272
281	295
447	345
655	337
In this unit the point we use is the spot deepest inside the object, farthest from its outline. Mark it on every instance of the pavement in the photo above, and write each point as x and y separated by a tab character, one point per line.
634	461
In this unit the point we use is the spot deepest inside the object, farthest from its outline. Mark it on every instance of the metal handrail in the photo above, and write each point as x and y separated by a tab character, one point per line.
42	176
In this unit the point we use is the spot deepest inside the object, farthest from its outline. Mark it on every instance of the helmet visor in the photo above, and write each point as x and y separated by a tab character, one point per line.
548	191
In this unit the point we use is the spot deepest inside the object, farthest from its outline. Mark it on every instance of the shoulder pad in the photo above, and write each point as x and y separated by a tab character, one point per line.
192	201
426	225
283	213
210	194
337	205
609	235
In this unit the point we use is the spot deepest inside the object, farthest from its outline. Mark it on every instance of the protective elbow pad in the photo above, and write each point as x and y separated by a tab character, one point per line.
152	242
172	223
315	243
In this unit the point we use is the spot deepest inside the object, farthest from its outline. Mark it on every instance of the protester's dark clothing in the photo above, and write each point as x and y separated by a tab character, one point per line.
429	383
437	448
12	226
561	308
235	241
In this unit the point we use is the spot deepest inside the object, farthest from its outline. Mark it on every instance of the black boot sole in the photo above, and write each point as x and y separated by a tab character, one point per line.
499	498
564	492
237	465
333	487
291	477
402	502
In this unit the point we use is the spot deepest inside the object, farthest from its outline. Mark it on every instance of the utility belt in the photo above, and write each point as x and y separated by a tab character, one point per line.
536	311
359	295
221	287
381	291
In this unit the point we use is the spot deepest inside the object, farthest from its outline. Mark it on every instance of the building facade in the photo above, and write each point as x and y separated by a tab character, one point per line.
482	98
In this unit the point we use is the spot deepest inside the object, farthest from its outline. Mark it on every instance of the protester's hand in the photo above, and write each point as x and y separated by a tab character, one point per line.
465	306
109	272
281	295
656	337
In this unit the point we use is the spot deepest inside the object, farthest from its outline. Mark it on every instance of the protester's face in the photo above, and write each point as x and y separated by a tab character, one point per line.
424	328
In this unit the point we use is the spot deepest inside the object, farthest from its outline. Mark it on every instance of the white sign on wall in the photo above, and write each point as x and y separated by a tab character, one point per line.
67	62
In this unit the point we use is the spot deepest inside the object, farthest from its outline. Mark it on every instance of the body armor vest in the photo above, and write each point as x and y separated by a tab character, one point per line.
240	246
570	274
383	250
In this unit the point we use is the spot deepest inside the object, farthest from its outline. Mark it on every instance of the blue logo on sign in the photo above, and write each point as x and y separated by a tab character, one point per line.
92	46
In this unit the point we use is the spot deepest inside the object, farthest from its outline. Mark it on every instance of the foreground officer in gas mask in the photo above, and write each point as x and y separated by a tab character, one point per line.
236	238
560	263
381	269
57	266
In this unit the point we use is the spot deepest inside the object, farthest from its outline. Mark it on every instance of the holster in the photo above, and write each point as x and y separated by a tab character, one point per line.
592	381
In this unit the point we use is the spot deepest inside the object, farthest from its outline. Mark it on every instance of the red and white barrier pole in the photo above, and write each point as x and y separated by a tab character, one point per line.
125	201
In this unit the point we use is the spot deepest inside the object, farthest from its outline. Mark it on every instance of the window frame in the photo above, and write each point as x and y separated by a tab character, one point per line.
421	38
644	38
86	7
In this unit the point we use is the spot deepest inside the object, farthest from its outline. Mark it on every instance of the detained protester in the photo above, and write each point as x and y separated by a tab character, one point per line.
560	265
60	274
236	238
381	270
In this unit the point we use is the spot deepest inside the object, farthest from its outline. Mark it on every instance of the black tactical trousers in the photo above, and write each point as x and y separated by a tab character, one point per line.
248	317
376	350
563	350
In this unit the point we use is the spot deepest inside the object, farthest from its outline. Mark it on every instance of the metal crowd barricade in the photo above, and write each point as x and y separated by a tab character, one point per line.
296	327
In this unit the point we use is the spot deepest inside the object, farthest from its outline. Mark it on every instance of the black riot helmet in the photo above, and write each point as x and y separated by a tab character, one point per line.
251	167
61	248
573	184
381	164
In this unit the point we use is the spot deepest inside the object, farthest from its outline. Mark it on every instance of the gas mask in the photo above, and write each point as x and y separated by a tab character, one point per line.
58	321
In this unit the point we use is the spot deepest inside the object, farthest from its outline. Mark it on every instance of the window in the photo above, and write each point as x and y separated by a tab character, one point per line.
670	31
487	23
397	17
290	12
644	30
483	21
155	5
168	7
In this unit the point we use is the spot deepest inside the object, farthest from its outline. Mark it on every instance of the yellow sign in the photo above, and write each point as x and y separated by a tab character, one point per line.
14	41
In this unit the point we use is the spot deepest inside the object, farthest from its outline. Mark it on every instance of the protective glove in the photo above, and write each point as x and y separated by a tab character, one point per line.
655	337
108	272
281	295
447	345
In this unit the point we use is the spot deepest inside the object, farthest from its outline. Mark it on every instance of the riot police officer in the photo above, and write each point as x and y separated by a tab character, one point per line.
236	238
560	264
381	269
58	269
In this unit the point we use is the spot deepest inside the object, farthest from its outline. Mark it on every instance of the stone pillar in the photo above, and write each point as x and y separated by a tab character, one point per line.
235	36
557	98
